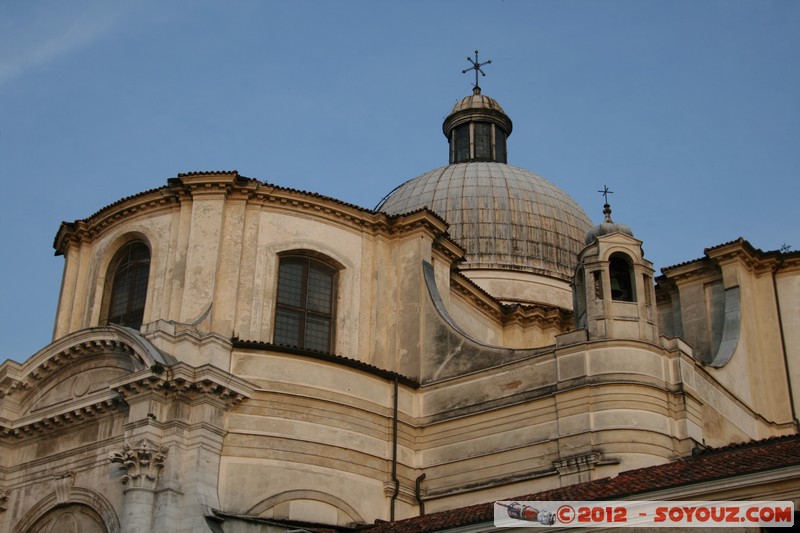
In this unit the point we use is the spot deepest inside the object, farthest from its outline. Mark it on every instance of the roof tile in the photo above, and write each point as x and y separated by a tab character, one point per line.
711	464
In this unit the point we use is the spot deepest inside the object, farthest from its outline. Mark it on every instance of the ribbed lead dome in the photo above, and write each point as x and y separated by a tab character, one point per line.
506	217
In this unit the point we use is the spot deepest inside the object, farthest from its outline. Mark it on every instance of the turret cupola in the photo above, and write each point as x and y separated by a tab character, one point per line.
607	227
477	127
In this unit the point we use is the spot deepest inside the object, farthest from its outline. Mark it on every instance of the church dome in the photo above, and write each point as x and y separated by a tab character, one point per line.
504	216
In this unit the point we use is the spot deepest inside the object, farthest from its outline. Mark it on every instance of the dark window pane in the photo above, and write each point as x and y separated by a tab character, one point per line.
621	273
317	334
483	141
305	304
290	283
500	146
131	268
287	327
319	290
462	143
119	296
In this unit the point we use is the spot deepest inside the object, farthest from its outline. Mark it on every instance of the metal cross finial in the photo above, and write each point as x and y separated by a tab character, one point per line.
605	192
476	66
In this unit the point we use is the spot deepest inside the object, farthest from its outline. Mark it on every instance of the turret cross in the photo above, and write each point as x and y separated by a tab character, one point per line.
476	66
605	192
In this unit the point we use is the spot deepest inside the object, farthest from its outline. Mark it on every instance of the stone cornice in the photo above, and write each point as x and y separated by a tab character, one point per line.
231	185
40	424
451	251
478	297
191	383
741	251
694	271
523	315
205	381
542	316
85	230
66	357
15	378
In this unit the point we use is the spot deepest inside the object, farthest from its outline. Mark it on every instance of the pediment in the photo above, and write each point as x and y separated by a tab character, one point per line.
78	383
73	373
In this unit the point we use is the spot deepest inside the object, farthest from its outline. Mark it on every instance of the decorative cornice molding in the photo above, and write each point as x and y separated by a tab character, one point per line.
185	380
45	423
754	259
71	354
230	184
74	233
109	340
523	315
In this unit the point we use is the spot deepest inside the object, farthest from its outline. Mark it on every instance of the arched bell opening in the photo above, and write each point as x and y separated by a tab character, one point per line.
620	270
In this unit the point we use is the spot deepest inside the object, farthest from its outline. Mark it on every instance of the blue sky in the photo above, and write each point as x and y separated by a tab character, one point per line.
688	109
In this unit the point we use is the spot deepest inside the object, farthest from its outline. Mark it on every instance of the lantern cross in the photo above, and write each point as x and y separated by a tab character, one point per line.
476	66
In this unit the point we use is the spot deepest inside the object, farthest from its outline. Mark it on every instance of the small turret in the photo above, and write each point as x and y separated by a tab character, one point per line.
613	290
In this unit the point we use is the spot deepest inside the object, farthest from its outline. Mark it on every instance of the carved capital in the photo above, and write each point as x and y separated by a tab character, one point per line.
4	493
141	463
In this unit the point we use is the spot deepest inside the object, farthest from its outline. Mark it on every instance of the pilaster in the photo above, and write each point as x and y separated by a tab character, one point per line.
176	427
141	463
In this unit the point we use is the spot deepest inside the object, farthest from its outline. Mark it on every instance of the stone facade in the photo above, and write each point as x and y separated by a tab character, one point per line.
434	394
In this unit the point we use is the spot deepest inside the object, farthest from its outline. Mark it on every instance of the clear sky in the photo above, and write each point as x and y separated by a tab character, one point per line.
689	110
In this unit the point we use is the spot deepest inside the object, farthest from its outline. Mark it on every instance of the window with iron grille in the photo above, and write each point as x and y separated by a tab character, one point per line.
130	270
305	310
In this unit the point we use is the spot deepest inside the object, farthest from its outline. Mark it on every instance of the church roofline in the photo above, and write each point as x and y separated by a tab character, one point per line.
187	184
327	357
741	247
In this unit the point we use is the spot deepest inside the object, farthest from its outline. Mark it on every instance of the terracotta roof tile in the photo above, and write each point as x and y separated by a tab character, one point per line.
712	464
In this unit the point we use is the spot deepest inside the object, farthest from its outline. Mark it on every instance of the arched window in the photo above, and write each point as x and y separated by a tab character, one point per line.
621	274
129	271
305	307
